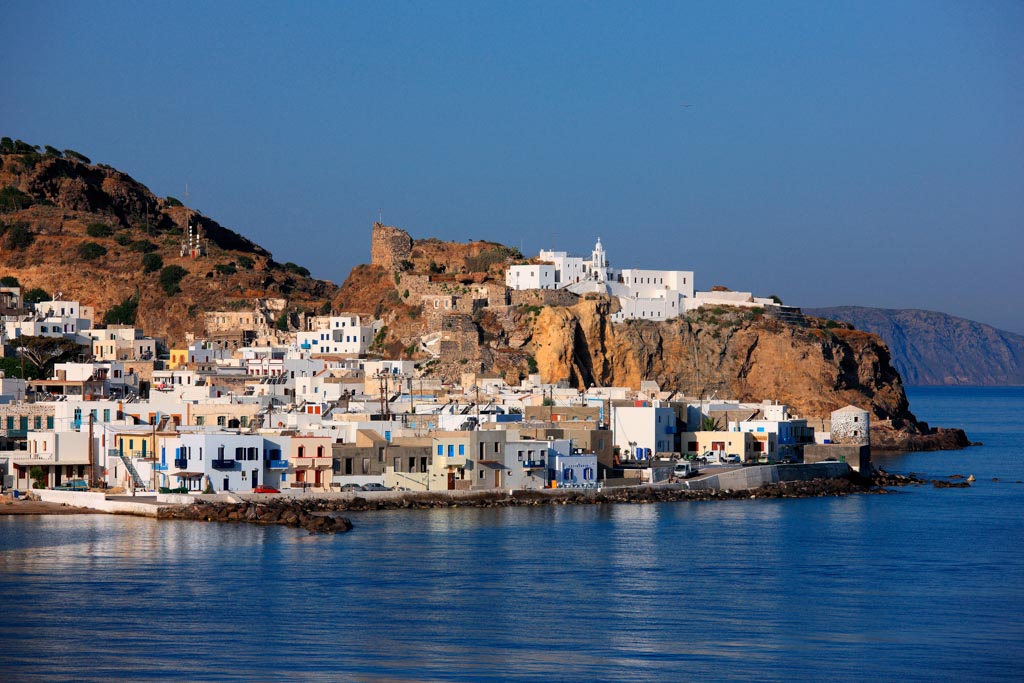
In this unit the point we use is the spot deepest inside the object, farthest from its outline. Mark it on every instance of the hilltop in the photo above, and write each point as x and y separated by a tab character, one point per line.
97	235
454	294
931	348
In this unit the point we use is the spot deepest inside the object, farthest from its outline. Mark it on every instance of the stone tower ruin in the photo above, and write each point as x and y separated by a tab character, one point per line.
389	246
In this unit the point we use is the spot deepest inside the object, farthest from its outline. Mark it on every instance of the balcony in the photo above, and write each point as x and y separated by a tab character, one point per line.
533	464
160	466
181	463
223	464
277	464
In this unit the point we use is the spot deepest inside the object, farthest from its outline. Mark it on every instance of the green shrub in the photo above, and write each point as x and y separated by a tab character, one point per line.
245	263
52	152
173	201
9	281
90	251
226	268
152	263
295	268
282	322
326	308
531	364
170	278
19	236
99	230
144	246
123	240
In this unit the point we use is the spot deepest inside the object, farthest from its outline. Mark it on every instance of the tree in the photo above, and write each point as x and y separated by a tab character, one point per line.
170	278
90	251
152	263
226	268
78	157
710	424
6	145
36	295
38	476
282	322
9	281
43	352
173	201
52	152
12	366
776	299
326	308
124	313
13	199
245	263
98	230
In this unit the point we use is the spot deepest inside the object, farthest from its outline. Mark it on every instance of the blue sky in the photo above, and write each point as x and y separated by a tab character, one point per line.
866	153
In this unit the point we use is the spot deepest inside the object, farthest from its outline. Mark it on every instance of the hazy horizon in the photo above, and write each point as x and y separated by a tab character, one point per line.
869	154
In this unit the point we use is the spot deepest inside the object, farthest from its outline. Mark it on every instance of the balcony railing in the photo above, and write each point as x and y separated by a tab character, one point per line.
533	464
181	463
223	464
160	466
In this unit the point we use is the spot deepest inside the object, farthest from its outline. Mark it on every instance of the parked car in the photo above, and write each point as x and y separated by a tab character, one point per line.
74	485
265	489
351	487
684	470
731	459
374	486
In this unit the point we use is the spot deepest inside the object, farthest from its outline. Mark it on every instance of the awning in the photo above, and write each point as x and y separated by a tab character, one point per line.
189	475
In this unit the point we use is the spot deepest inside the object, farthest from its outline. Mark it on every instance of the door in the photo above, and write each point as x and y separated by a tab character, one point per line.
226	487
255	478
497	479
451	481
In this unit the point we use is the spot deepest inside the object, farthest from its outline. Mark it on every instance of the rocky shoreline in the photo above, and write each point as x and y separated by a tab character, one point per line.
320	515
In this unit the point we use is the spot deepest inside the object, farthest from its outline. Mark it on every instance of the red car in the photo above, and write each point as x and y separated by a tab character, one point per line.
265	489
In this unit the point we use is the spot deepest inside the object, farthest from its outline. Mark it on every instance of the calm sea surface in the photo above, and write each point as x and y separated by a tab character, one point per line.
924	584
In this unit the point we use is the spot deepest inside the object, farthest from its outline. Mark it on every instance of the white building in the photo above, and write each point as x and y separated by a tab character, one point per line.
344	334
227	461
641	432
531	277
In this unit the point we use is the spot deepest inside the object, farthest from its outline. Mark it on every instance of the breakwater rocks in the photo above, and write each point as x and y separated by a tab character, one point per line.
881	478
316	516
322	515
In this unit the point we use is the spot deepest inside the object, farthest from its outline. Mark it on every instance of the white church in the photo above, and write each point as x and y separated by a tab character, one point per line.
643	294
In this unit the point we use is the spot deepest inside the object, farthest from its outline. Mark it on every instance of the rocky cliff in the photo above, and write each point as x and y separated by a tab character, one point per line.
930	348
83	230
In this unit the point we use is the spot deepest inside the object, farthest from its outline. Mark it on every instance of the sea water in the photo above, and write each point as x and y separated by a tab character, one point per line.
923	584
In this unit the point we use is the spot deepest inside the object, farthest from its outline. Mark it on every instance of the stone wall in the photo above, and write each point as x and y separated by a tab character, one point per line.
389	246
542	297
459	337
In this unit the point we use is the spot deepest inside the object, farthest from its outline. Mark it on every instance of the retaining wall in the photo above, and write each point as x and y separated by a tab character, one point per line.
96	501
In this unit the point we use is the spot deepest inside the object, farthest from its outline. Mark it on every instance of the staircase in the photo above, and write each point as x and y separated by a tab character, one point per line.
136	479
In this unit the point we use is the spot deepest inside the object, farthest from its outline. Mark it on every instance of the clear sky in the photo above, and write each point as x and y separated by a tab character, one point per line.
832	153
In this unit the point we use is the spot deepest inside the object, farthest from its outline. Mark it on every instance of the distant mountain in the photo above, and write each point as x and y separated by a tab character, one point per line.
930	348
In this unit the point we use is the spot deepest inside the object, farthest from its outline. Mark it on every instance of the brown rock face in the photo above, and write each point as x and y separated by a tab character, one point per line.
735	352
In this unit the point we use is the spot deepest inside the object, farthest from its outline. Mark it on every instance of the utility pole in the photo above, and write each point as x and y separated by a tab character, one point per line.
92	455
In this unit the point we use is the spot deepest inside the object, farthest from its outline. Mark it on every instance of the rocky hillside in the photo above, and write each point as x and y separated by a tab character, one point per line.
736	352
95	234
930	348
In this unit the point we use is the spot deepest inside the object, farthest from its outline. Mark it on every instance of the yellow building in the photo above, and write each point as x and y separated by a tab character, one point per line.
179	358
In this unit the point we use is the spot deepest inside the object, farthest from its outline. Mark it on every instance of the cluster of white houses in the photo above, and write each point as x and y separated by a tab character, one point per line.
642	293
310	410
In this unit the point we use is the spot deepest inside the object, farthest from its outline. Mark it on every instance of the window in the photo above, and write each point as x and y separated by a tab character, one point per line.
49	421
106	415
244	421
38	423
200	420
451	451
239	453
440	448
462	449
221	420
481	474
